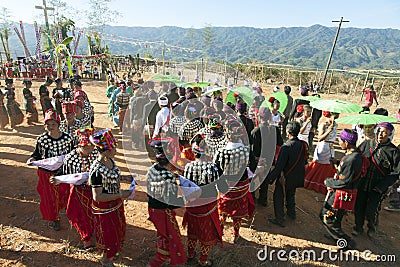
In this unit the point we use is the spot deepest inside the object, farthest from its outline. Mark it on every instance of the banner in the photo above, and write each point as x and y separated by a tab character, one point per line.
27	54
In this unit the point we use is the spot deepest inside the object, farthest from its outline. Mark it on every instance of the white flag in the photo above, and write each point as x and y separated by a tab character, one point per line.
50	164
190	190
76	178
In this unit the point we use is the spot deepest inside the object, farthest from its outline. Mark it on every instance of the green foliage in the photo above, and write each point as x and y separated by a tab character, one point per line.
299	46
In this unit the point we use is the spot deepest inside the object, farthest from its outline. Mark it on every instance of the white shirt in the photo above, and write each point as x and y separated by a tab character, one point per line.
304	136
22	67
276	119
161	120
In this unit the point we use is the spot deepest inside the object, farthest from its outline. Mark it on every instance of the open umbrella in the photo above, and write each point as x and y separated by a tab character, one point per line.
337	106
281	97
245	93
212	90
310	98
165	78
365	118
201	85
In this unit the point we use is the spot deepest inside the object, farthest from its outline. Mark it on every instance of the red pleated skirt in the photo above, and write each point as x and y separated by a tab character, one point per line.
316	173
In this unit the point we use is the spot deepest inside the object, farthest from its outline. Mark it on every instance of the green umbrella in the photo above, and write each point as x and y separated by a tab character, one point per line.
245	93
214	89
165	78
201	85
180	83
310	98
336	106
365	118
281	97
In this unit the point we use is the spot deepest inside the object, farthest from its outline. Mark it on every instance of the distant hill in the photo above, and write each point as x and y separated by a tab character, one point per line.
299	46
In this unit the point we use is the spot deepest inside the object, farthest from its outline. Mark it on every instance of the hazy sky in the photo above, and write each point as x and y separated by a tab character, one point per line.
252	13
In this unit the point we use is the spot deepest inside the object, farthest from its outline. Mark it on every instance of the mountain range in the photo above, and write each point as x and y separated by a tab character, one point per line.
298	46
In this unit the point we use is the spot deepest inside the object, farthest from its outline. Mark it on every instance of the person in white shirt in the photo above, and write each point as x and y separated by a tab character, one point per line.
163	117
276	115
305	122
23	69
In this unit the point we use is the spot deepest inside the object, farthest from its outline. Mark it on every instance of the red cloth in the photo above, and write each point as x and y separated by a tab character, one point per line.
169	244
237	203
316	173
53	198
203	223
370	96
109	225
188	154
79	210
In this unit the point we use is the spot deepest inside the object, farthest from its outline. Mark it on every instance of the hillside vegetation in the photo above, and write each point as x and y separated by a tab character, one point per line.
299	46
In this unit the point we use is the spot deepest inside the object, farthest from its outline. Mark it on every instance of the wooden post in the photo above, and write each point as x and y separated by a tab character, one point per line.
333	48
380	92
300	77
330	82
288	75
397	89
365	84
355	88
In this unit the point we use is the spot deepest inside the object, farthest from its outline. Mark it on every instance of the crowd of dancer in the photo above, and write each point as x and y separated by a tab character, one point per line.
226	149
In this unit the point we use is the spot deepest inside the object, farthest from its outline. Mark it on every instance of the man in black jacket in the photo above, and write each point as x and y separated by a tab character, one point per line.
291	161
382	173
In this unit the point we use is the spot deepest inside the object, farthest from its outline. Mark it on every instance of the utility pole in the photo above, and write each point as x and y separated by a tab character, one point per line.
226	62
333	48
45	9
202	70
163	57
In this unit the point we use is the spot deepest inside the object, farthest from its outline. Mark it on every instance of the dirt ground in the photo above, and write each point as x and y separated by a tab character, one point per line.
27	240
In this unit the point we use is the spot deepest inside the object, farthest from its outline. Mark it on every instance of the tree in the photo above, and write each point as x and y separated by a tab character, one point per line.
99	14
5	30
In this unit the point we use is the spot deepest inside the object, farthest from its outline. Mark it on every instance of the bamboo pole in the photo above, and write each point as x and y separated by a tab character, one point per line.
365	84
288	75
300	78
330	82
380	92
355	88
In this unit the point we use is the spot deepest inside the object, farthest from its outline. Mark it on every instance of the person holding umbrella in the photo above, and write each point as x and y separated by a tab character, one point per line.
321	168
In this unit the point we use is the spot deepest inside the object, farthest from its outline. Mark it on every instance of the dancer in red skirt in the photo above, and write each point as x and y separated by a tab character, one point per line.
201	217
107	205
52	143
162	193
80	198
238	202
321	168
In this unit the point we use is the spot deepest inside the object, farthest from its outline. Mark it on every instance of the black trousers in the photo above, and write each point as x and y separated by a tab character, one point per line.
310	142
332	221
367	207
280	195
263	193
283	129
